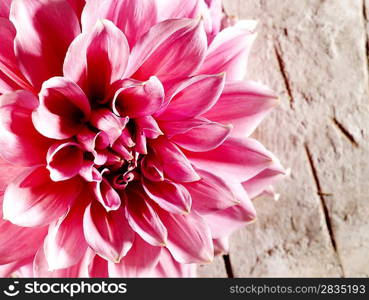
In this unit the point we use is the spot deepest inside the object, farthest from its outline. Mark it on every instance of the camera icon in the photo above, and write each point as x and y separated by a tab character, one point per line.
12	291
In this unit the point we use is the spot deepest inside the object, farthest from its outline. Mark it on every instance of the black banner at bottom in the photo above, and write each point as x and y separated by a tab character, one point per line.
122	288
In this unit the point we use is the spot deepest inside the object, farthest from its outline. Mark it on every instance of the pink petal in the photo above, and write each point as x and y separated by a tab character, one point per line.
168	267
97	59
170	48
5	8
146	127
20	143
107	57
63	109
65	243
41	46
98	268
221	246
64	160
105	194
75	62
91	140
229	52
77	5
243	104
224	222
189	238
203	138
41	268
138	99
8	270
143	218
152	169
18	243
237	158
174	163
89	172
193	97
133	17
6	84
257	184
178	9
109	123
138	262
172	128
8	61
215	8
32	199
12	172
211	193
107	233
172	197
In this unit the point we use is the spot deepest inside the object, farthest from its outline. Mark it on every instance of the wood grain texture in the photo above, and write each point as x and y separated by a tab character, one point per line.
314	53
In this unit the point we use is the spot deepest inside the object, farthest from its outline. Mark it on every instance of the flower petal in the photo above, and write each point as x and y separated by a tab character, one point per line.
5	8
224	222
168	267
203	138
138	99
112	125
97	59
237	158
151	168
189	238
64	160
41	46
8	61
105	194
172	197
65	243
221	245
7	270
143	218
229	52
77	5
121	14
98	268
174	163
243	104
211	193
63	109
41	268
138	262
12	171
193	97
20	143
257	184
32	199
107	233
18	243
107	57
178	9
172	128
170	48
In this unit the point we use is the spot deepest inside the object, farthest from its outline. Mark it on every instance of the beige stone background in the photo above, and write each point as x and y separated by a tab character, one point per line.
314	53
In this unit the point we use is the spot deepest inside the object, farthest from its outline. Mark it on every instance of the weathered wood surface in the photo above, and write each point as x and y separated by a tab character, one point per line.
314	53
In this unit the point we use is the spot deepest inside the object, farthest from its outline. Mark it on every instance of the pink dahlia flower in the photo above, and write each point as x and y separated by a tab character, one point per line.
124	136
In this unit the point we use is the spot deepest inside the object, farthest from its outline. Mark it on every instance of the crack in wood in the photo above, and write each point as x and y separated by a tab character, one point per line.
324	206
228	266
282	68
365	20
345	132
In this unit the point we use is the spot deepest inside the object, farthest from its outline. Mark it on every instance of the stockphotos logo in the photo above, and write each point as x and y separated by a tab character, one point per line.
70	289
12	289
